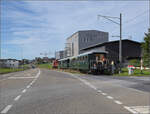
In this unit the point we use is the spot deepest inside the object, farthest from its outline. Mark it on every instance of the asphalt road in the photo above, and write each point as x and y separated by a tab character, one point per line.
40	91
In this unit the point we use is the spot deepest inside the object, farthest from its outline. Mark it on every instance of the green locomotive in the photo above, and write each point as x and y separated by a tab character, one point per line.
93	62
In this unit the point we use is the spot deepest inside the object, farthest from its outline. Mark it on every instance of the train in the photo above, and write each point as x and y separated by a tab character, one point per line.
94	62
55	64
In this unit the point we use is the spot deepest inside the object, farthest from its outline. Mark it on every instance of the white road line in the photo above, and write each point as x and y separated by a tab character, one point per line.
3	79
24	91
109	97
104	93
28	86
33	81
118	102
6	109
20	77
17	98
99	91
87	83
134	112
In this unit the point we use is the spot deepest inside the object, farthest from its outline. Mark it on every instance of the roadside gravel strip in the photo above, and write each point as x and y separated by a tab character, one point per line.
133	110
8	107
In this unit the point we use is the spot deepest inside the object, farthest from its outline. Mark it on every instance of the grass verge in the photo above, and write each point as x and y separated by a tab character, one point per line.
137	72
46	66
9	70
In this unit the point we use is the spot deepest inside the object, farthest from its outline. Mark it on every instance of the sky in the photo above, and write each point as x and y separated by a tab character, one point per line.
29	28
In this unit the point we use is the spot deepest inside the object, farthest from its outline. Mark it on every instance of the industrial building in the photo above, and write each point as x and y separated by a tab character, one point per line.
84	39
60	54
94	40
130	50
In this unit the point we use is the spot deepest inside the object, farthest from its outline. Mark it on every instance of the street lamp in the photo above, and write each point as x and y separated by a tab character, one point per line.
120	42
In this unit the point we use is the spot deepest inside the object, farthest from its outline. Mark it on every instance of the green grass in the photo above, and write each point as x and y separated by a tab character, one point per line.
26	66
137	72
46	66
8	70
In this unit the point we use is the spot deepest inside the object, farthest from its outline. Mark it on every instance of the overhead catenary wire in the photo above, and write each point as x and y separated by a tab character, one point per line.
132	19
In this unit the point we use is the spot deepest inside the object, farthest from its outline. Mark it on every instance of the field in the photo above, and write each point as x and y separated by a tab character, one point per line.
46	65
137	72
8	70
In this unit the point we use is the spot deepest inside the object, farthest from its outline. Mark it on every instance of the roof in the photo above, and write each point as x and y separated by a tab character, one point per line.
64	59
84	31
87	53
91	52
101	44
8	59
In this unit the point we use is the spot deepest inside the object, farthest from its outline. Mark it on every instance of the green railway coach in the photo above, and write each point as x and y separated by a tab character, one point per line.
93	61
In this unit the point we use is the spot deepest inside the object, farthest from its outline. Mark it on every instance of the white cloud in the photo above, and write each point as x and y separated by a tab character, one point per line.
46	25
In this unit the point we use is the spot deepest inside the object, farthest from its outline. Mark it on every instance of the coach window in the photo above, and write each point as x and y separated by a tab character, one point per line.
86	58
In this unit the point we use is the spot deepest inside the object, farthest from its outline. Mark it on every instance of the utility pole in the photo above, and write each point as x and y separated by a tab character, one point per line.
149	30
0	33
120	42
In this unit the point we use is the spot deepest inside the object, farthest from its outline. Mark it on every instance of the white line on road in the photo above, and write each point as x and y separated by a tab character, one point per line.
118	102
3	79
87	83
134	112
20	77
6	109
17	98
104	93
28	86
109	97
99	91
24	91
33	81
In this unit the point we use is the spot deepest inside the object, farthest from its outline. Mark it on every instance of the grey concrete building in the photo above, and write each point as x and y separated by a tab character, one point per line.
83	39
60	54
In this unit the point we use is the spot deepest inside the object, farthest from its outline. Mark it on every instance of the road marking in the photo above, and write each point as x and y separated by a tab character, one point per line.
138	109
6	109
118	102
134	112
33	81
17	98
24	91
109	97
28	86
3	79
87	83
104	93
99	91
20	77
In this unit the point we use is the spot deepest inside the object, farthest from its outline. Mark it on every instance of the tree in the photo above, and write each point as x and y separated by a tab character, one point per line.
146	49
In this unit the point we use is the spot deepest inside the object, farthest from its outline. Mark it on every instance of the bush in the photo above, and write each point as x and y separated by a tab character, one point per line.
135	62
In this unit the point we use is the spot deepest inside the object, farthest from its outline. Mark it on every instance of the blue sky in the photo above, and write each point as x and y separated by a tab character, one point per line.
31	27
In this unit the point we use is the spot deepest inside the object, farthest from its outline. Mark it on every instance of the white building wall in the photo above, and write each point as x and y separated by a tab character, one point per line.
72	45
12	64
